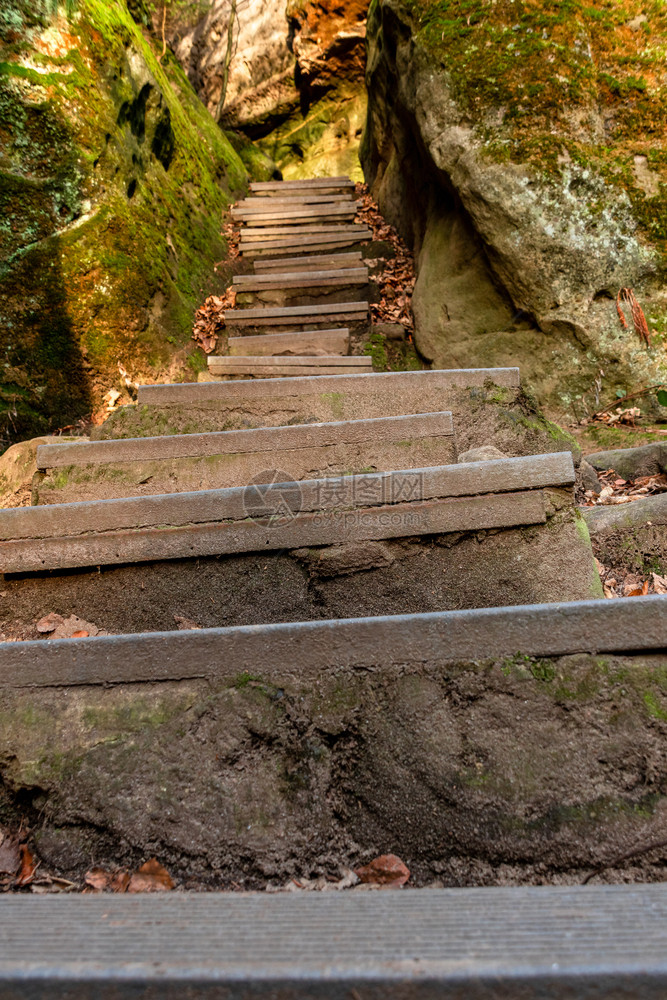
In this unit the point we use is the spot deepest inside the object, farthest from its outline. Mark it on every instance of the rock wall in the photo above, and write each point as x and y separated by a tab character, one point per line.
295	83
519	156
113	177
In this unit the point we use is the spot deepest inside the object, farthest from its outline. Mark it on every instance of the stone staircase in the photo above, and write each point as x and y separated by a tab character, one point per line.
292	722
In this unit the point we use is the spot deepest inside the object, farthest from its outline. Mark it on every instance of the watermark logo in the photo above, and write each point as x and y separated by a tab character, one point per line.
272	497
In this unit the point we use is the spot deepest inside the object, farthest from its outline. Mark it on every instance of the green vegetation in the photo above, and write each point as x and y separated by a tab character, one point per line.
550	67
112	187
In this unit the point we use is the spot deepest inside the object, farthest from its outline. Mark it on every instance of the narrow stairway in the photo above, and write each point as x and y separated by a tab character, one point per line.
423	674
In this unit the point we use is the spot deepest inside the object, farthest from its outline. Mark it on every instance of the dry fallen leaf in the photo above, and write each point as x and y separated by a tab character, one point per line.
151	877
185	624
659	584
10	856
49	623
28	867
388	869
57	627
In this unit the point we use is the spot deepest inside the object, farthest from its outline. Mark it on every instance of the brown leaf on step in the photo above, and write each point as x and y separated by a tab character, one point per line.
73	627
49	623
28	867
388	869
10	856
120	881
151	877
185	624
100	880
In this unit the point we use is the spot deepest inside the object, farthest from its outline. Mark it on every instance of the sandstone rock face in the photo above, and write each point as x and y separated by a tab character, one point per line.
261	71
521	194
113	177
295	81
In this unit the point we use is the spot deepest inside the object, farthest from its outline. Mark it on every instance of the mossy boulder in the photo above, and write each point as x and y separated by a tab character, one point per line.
520	148
113	178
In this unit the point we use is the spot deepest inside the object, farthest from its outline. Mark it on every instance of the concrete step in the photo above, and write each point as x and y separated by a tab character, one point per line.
271	367
277	316
188	462
315	263
309	279
303	343
451	943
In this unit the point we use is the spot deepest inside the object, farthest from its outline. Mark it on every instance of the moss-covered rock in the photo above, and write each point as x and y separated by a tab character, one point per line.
113	177
520	148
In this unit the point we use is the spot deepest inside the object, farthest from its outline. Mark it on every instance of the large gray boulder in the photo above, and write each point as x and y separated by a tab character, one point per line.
522	245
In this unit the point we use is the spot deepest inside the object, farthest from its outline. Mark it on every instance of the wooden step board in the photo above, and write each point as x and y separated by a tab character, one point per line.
308	230
511	941
269	366
330	262
272	188
103	470
296	216
306	343
356	312
326	238
290	201
313	649
470	497
292	279
480	398
303	244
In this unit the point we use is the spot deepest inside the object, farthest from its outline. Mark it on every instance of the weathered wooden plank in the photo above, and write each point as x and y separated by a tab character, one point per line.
252	371
332	361
315	183
500	476
258	224
260	439
553	941
306	649
264	204
328	261
307	242
385	386
312	279
308	342
220	536
327	229
290	212
299	246
274	316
